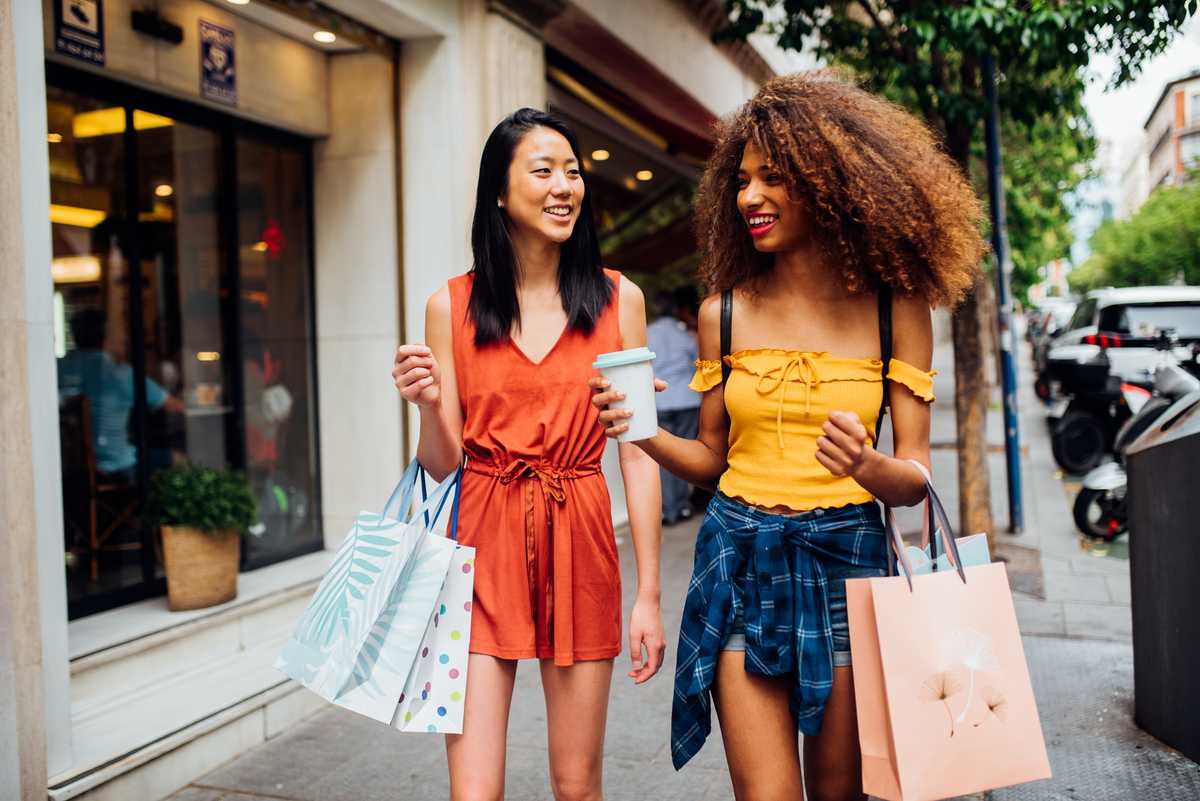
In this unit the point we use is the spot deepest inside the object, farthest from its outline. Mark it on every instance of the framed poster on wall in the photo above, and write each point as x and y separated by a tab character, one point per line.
218	76
79	29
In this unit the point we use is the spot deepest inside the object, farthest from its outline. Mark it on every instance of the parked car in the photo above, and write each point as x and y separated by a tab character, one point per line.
1124	322
1109	347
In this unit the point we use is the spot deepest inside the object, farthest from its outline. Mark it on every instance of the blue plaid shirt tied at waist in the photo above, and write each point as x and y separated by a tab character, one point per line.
766	569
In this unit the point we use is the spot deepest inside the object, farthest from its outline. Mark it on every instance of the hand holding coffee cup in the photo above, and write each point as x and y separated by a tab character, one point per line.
625	394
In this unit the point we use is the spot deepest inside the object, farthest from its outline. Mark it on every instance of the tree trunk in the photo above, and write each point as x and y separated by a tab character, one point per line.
970	383
970	406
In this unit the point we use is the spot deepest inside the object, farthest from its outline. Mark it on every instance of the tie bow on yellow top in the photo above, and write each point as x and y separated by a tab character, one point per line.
773	433
776	378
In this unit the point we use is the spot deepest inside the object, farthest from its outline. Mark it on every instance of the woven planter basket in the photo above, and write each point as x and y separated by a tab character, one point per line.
202	567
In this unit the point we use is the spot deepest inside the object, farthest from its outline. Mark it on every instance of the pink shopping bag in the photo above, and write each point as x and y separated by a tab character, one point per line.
945	705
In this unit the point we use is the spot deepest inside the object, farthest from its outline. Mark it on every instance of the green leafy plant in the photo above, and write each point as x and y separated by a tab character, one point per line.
201	497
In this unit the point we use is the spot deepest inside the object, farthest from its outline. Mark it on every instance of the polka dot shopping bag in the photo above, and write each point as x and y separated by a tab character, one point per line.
360	640
436	689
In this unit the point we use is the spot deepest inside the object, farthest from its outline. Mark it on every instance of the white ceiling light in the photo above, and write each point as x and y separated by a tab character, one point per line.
239	2
644	175
600	155
164	190
325	37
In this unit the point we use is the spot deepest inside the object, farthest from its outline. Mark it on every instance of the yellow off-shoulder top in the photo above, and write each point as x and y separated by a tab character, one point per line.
777	402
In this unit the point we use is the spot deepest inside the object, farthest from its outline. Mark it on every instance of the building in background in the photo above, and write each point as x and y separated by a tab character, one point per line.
1170	147
229	214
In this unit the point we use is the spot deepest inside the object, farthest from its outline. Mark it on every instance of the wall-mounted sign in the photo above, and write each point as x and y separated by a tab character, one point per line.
218	79
79	29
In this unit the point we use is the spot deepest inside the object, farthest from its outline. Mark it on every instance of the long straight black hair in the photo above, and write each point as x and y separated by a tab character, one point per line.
584	288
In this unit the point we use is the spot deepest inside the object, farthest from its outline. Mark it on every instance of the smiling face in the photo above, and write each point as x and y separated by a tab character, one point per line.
545	188
775	221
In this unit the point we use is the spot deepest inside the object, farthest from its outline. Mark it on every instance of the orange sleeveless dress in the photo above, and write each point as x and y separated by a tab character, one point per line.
534	503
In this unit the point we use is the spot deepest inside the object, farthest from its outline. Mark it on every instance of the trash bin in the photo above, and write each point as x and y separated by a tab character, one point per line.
1164	559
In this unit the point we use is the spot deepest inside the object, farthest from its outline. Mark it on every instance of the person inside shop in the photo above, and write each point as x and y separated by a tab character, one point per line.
503	383
672	338
830	221
89	370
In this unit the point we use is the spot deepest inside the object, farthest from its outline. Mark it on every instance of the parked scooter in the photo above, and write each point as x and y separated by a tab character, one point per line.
1100	509
1087	419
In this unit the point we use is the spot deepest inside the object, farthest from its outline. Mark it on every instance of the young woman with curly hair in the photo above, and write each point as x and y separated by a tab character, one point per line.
827	216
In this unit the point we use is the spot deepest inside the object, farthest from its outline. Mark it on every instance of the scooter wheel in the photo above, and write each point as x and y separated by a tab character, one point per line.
1078	442
1094	518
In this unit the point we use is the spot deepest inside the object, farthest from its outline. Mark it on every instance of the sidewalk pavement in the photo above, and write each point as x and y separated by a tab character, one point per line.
1073	606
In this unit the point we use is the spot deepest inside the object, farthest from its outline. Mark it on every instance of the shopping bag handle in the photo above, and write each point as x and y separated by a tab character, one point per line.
453	507
935	514
403	490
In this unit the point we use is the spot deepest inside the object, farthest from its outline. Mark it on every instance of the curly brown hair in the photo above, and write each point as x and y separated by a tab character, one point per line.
886	201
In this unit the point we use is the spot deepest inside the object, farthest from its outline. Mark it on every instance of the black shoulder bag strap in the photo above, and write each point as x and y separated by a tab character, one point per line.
726	332
885	352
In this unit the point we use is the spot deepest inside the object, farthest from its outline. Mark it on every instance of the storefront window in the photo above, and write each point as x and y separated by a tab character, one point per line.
273	259
93	344
145	208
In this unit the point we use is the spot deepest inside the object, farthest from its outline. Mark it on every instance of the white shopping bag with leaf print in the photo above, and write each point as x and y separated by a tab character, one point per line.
359	637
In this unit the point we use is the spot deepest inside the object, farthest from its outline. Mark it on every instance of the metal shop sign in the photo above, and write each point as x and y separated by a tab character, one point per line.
79	29
218	78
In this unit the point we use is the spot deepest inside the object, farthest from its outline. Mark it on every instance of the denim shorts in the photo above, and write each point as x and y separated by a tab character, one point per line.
836	573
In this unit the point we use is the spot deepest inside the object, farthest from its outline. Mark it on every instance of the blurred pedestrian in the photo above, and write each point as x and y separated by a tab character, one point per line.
672	337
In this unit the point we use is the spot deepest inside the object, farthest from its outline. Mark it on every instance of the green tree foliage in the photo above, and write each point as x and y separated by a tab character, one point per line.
1043	164
1160	244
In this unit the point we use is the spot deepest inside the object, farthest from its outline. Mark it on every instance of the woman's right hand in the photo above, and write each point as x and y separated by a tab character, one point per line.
615	421
416	374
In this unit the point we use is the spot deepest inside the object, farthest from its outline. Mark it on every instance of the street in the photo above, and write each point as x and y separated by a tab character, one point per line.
1073	606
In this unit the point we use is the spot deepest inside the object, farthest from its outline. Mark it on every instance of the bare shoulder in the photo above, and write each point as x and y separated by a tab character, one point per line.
438	305
709	323
632	314
438	326
631	296
912	329
912	313
710	312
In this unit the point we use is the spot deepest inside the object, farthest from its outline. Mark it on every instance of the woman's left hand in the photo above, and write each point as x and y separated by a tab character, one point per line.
844	449
646	629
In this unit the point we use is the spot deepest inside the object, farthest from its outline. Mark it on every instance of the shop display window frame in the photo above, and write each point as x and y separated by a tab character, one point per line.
228	129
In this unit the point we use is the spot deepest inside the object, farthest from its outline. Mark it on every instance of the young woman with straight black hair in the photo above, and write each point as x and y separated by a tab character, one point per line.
502	383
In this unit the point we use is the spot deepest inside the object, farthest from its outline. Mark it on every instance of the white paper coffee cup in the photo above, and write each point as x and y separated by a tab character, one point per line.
629	371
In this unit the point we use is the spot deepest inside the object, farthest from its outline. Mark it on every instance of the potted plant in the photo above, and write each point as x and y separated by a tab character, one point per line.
202	513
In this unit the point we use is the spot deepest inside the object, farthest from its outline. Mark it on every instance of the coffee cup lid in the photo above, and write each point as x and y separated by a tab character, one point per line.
622	357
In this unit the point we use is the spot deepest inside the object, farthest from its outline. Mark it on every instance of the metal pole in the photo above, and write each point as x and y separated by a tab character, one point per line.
1007	335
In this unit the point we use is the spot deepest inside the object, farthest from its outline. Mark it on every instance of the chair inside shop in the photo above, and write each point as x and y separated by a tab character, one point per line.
96	506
